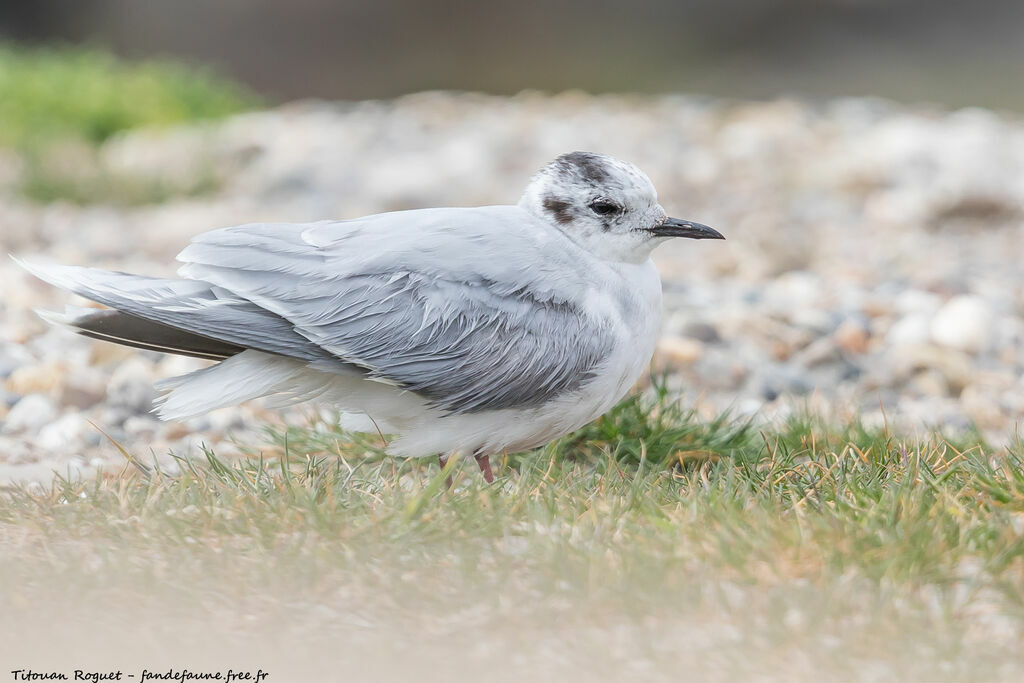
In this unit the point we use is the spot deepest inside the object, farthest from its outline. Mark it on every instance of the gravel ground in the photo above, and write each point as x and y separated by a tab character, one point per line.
873	261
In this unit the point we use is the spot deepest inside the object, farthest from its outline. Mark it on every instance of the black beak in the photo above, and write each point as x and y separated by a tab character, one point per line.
674	227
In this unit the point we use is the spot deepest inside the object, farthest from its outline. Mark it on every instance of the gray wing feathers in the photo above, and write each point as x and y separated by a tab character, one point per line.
196	307
465	342
392	299
464	356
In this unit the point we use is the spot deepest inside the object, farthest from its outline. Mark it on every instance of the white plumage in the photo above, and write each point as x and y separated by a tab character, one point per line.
474	330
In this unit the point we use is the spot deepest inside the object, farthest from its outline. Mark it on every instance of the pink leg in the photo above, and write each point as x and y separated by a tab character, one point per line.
484	462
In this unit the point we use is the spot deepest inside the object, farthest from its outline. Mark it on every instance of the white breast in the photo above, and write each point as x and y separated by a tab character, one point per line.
638	303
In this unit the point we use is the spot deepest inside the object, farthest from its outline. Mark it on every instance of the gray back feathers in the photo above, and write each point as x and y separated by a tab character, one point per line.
464	329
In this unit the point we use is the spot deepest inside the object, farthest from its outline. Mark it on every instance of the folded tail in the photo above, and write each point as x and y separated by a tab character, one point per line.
261	353
185	317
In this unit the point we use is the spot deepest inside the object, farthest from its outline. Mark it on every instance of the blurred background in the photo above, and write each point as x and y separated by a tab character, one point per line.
912	50
863	158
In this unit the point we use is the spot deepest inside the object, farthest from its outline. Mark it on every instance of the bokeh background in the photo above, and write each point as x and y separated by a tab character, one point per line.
911	50
865	159
862	157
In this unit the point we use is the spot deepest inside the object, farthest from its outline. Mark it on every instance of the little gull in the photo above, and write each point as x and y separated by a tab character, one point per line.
456	330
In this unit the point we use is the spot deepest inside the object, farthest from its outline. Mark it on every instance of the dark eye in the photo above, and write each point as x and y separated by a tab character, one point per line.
604	208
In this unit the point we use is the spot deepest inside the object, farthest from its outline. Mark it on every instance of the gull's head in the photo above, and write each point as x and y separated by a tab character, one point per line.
605	205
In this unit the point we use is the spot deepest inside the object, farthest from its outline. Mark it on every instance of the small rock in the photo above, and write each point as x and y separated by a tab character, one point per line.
200	423
131	387
793	291
176	430
14	451
982	407
29	414
83	388
929	383
226	420
953	366
851	337
914	328
9	362
781	381
680	351
721	372
35	379
68	430
142	426
964	323
910	301
702	332
821	351
111	417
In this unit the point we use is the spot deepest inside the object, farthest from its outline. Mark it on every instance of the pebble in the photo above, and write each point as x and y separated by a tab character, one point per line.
822	351
141	426
31	413
784	381
852	337
954	367
36	379
982	407
16	451
131	387
702	332
914	328
929	382
68	430
860	263
964	323
83	388
9	362
679	351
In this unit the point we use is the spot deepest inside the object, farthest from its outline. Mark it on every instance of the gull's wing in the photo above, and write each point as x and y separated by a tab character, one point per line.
466	307
176	316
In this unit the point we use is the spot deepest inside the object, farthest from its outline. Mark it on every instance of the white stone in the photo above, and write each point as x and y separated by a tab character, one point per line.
131	386
68	430
14	451
917	301
910	329
29	414
964	323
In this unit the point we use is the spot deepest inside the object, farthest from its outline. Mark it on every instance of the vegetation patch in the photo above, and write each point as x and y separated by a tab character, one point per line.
802	543
58	106
49	94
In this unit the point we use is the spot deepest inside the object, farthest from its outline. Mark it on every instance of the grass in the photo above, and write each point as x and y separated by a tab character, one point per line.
647	544
57	105
45	181
50	94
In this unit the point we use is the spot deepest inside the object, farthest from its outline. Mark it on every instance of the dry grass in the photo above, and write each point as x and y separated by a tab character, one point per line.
648	545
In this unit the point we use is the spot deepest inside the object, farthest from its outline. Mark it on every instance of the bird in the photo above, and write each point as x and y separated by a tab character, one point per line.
471	331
